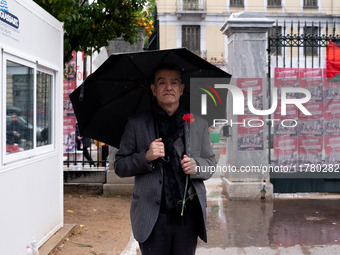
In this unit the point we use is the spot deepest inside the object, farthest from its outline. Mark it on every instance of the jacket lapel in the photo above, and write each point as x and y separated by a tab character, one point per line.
179	146
150	125
151	129
186	138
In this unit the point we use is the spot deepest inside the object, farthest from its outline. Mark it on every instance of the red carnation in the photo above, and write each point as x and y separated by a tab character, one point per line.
189	118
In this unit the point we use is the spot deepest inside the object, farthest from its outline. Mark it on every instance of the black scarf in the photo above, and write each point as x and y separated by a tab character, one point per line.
171	130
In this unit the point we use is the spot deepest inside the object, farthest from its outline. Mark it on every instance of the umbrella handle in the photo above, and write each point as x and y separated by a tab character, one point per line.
164	160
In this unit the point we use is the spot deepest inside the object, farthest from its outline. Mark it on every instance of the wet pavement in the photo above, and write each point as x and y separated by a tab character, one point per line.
282	226
287	225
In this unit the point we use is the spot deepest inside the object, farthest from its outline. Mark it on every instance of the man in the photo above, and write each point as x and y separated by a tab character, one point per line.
82	144
13	130
155	149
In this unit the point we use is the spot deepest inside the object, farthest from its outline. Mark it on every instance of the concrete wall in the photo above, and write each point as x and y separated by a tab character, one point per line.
216	6
168	36
255	6
168	6
214	40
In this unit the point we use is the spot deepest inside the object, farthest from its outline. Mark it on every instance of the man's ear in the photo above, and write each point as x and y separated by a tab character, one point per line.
153	89
182	88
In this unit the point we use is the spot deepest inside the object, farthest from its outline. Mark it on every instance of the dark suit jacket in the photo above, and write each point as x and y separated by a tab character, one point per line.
130	161
10	137
85	140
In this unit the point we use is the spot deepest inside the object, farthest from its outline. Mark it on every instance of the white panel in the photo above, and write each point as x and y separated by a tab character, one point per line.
31	189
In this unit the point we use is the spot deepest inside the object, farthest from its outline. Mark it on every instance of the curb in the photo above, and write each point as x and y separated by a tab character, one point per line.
53	243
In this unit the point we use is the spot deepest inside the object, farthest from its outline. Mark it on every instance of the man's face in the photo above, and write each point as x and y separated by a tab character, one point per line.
14	118
167	88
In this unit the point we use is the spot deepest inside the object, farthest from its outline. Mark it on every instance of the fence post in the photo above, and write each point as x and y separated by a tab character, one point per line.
247	58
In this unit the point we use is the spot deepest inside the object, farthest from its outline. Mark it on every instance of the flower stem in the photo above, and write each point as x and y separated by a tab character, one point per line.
185	192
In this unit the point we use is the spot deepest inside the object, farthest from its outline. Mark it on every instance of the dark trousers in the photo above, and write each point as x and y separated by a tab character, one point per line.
88	156
172	239
85	152
105	152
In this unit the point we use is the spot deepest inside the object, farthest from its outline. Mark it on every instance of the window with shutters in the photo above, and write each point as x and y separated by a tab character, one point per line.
274	3
191	38
275	32
311	48
236	3
310	3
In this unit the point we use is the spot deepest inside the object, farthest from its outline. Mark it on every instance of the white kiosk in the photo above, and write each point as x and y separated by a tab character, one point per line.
31	125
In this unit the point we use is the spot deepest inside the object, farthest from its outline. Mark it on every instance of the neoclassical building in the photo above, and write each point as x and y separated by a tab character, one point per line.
196	24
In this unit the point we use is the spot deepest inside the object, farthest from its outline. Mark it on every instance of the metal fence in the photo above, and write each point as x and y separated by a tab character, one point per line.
98	156
308	40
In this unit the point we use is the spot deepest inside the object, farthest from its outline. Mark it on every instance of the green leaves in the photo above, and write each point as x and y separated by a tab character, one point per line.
88	27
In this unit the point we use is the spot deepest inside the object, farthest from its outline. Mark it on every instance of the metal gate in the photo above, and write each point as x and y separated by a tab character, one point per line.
299	47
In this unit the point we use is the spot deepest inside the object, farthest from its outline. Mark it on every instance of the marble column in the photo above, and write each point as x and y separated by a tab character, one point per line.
114	184
247	58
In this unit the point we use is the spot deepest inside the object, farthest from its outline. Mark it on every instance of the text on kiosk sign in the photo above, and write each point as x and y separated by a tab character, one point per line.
9	19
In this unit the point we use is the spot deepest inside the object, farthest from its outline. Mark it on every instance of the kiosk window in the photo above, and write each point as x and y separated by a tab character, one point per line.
19	107
44	111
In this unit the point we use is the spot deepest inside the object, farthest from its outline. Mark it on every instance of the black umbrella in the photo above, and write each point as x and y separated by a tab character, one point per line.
120	87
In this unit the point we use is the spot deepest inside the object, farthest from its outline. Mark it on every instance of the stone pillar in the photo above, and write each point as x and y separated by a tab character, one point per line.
114	184
247	58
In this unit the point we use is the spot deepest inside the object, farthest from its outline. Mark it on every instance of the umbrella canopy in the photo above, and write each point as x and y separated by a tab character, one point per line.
120	87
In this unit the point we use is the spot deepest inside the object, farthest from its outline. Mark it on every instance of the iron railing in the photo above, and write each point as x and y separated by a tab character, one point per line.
98	153
191	5
307	42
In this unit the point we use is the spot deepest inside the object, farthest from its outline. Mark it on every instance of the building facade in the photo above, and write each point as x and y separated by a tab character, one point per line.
196	24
